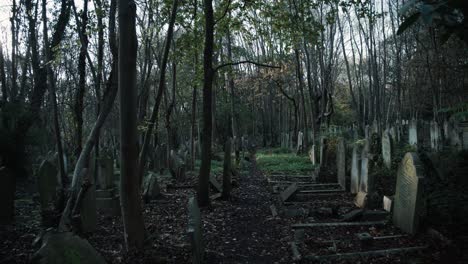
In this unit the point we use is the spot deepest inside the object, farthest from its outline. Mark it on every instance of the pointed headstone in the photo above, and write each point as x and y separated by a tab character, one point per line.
408	208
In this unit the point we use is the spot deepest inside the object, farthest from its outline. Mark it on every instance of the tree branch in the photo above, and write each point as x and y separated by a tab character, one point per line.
246	61
225	12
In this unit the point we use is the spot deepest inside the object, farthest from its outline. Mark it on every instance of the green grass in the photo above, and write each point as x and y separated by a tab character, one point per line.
290	163
216	166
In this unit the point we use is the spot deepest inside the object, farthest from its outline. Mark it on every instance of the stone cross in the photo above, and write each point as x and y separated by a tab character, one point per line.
408	208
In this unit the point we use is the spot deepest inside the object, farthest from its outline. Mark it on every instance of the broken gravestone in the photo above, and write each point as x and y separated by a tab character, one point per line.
409	208
47	181
195	232
355	170
341	163
290	191
62	248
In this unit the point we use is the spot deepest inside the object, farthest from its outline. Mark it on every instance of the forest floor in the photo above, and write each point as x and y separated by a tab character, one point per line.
241	230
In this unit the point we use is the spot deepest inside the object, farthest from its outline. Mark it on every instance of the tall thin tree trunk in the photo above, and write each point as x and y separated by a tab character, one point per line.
134	228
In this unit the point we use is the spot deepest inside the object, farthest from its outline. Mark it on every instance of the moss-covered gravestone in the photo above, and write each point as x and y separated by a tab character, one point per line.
195	232
409	205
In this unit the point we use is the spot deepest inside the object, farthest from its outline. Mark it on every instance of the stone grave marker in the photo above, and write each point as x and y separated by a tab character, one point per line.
323	151
355	172
341	163
312	155
413	132
300	142
47	182
408	208
363	184
151	187
106	173
435	136
288	192
195	232
387	149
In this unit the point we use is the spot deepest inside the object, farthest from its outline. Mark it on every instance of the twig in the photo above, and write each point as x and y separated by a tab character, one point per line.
246	61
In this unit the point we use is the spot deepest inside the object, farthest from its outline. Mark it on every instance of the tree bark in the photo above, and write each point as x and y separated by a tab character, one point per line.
130	200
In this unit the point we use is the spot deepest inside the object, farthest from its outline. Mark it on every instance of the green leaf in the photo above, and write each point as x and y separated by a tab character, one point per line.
408	22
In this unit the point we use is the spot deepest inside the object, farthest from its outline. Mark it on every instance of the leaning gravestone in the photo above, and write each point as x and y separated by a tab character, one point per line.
290	191
408	207
413	132
355	170
47	181
58	248
387	149
341	163
195	232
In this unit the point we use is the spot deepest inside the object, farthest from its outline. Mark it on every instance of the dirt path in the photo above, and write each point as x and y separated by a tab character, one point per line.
243	230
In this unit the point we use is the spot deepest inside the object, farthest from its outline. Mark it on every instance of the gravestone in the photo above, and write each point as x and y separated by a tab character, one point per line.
341	163
446	130
151	187
300	142
367	131
323	151
106	173
312	155
408	207
177	165
387	149
7	196
47	183
195	232
435	136
455	140
413	132
355	170
290	191
363	184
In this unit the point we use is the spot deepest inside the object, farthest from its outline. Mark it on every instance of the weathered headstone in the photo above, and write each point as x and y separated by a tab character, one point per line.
151	187
387	149
435	136
363	184
47	181
290	191
7	196
413	132
66	248
408	208
106	173
300	142
355	172
312	155
195	232
341	162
